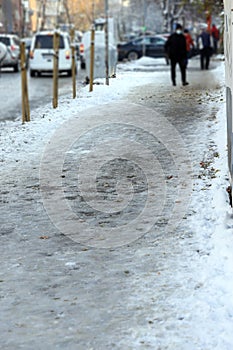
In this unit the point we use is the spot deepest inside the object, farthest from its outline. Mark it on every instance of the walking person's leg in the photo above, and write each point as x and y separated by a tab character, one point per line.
182	65
202	58
207	61
208	54
173	71
215	46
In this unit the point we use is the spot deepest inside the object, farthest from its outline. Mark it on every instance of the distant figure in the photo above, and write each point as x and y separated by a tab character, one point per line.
215	35
189	44
176	50
206	48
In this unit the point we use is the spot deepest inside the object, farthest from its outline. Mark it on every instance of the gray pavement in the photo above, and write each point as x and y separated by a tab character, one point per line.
81	267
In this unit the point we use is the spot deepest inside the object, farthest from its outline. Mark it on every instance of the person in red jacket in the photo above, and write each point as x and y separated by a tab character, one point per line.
215	36
189	44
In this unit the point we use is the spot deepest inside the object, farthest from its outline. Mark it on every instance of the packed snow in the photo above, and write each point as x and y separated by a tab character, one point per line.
214	271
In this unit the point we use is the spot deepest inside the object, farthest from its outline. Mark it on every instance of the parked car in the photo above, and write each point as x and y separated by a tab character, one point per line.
82	56
3	52
41	53
132	50
12	58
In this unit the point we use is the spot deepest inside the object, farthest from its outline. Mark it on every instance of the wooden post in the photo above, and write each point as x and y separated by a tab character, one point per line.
92	58
56	44
24	85
72	36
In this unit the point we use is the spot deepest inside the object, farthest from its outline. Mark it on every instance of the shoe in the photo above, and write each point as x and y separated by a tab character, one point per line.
185	83
174	83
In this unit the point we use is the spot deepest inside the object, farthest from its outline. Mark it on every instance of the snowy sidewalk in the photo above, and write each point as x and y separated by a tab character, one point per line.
116	231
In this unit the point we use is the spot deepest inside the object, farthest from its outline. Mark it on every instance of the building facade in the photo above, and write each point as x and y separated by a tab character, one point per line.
15	17
46	14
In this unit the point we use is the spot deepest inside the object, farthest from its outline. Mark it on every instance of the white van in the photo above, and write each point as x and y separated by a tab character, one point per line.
41	54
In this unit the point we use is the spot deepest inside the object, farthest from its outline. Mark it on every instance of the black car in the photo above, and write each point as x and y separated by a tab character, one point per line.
132	50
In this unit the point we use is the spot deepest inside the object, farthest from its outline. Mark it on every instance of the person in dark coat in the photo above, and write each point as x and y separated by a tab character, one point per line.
206	47
176	50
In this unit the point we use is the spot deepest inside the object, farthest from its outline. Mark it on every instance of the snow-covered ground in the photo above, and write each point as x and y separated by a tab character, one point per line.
205	318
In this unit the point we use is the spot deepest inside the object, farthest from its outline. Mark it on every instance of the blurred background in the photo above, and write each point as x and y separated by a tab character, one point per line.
25	17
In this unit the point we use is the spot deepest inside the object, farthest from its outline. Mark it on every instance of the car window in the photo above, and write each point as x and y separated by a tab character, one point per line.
138	41
147	40
16	41
46	42
5	40
160	41
142	40
154	41
157	41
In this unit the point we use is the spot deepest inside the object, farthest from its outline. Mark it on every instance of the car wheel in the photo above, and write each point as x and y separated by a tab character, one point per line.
32	73
132	56
16	67
83	65
69	73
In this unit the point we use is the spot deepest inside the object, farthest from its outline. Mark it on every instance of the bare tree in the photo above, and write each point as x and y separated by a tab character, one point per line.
43	14
172	11
67	11
201	7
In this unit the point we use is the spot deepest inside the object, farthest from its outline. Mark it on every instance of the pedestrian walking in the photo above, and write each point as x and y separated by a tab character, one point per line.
189	45
215	35
176	50
206	48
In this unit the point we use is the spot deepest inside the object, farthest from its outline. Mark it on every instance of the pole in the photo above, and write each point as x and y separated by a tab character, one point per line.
144	29
106	43
208	20
169	21
44	4
58	14
24	85
92	48
56	44
24	118
73	63
92	57
23	19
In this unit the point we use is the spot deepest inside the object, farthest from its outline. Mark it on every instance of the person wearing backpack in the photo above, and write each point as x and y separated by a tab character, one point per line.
205	44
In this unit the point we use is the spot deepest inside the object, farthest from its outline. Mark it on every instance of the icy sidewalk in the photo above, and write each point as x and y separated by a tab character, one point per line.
159	289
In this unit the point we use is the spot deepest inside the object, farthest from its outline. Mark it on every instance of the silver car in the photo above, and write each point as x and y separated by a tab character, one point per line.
12	58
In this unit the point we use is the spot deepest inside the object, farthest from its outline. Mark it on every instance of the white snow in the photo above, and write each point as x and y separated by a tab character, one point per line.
215	270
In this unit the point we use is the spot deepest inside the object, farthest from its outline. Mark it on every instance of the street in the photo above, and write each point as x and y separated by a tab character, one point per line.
40	91
108	222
